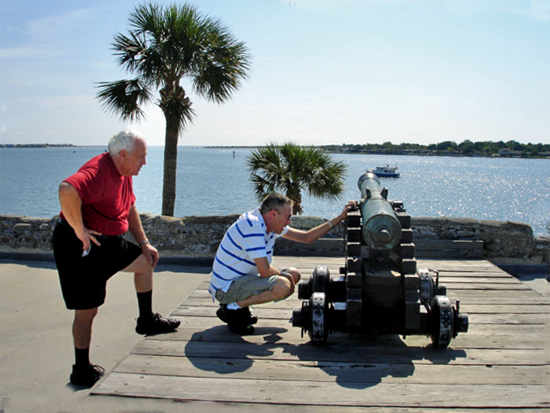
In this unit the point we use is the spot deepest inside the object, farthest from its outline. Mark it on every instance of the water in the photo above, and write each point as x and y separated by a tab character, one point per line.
216	182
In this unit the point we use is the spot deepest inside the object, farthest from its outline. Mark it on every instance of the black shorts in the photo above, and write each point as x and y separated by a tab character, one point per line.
84	279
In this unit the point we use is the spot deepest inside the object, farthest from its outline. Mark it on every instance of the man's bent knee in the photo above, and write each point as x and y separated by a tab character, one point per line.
140	266
282	288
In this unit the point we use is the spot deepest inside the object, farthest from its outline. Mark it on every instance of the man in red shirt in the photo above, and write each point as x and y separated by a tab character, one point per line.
97	209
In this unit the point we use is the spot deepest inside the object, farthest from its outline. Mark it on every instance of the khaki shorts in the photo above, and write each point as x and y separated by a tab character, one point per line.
245	287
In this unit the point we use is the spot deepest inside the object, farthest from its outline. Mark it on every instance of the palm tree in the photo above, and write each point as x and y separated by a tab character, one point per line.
164	45
291	169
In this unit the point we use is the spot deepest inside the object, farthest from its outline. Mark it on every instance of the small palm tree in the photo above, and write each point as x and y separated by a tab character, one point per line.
291	169
164	45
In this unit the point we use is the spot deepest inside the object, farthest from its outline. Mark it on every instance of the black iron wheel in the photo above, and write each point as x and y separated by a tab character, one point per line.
441	322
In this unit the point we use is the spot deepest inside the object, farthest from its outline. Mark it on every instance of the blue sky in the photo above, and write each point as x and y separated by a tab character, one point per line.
323	72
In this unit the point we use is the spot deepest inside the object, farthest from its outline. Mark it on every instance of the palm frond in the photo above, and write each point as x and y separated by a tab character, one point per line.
261	186
221	65
124	98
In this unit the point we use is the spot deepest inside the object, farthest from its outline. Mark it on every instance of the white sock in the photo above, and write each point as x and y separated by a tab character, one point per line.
233	306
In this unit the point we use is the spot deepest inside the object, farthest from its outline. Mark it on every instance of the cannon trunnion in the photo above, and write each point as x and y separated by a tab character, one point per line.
380	289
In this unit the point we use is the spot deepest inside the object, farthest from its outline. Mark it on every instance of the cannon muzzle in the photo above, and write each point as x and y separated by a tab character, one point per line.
381	228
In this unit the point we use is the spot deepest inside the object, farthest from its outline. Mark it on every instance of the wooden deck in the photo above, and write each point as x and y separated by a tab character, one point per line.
501	363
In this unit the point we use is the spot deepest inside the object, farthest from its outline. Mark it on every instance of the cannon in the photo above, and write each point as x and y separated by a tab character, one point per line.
380	289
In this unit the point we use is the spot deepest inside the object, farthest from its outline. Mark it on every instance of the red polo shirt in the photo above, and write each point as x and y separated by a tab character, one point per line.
106	195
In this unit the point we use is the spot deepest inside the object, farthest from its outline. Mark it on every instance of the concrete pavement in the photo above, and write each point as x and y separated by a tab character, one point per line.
36	350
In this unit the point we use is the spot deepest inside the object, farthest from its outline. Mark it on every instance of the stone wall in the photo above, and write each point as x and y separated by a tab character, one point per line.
198	237
503	242
26	234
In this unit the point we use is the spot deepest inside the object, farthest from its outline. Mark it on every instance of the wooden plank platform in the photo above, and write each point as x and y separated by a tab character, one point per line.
501	363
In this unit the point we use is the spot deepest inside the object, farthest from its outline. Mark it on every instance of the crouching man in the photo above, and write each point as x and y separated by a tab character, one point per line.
242	274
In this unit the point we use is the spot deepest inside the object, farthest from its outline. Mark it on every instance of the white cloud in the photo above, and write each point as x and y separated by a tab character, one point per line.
52	37
72	102
60	26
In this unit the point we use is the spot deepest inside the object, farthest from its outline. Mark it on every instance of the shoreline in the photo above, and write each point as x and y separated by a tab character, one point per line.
346	150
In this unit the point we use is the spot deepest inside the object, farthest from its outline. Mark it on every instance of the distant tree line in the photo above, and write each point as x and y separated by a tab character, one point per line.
36	145
465	148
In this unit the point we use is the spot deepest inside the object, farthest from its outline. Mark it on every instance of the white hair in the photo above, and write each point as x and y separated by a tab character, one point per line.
124	140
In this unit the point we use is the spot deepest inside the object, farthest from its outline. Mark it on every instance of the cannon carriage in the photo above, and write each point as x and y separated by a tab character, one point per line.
380	289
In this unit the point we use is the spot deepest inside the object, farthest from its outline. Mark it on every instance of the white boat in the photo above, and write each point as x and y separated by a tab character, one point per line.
386	171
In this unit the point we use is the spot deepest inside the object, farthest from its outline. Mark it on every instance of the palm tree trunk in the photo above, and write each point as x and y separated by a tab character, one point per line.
170	167
296	197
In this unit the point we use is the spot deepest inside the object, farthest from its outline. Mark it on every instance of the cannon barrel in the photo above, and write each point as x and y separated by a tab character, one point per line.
381	228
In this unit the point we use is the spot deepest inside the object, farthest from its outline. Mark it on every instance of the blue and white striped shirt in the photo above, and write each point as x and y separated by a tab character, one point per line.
244	241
